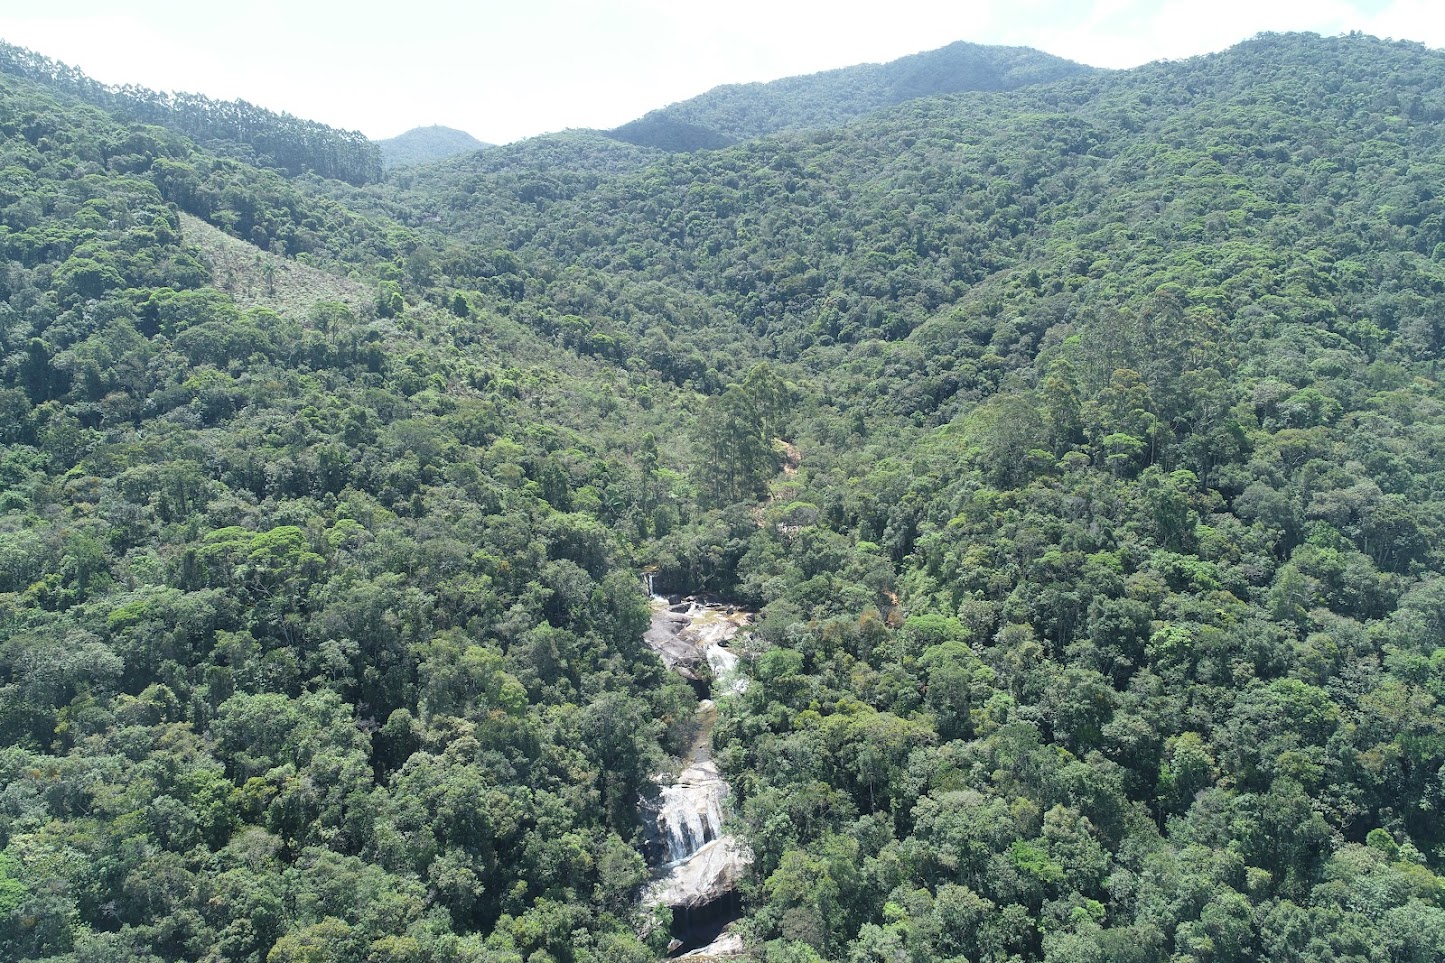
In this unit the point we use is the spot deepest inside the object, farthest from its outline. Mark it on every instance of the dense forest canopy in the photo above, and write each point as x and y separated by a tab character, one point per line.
735	112
230	127
1080	447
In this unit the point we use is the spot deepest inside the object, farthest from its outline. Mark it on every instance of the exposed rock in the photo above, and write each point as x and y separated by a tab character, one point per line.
729	944
691	635
689	811
701	866
705	877
668	637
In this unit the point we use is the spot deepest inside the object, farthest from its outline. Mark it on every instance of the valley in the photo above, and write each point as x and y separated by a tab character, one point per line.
1104	618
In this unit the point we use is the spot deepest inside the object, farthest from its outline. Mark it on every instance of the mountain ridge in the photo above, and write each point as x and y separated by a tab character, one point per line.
735	112
282	141
1074	453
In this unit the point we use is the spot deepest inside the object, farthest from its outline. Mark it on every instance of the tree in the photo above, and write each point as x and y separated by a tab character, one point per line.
735	458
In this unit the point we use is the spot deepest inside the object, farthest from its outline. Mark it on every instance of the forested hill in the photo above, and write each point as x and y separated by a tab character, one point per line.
1081	447
504	185
738	112
320	627
422	145
234	128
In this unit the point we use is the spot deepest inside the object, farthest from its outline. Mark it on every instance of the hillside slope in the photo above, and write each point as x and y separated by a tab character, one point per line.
738	112
254	278
1080	447
1127	384
222	409
234	128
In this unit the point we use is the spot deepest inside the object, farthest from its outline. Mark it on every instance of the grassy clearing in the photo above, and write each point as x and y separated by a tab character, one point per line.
256	278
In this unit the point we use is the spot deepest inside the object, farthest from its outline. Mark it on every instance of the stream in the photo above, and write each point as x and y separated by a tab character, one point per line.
697	864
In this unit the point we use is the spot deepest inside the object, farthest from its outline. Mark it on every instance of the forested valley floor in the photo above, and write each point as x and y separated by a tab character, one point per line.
1077	437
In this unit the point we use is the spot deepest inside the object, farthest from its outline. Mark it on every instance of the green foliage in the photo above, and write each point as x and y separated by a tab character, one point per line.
1079	444
734	446
273	140
831	98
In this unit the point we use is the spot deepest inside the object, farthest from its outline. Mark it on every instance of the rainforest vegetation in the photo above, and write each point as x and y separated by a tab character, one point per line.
1080	446
728	114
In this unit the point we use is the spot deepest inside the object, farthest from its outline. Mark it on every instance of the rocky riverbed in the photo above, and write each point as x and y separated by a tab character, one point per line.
697	863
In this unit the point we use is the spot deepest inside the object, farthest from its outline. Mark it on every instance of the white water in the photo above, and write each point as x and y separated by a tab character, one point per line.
702	863
691	813
724	664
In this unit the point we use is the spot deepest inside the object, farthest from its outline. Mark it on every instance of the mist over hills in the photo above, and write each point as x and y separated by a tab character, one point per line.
1079	446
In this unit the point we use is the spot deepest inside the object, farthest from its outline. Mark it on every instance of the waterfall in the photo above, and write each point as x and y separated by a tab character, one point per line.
724	664
691	815
698	866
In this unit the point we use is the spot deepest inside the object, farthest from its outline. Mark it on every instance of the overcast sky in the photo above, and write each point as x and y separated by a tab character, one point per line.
506	70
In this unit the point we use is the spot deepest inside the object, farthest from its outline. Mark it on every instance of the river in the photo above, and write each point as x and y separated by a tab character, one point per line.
698	865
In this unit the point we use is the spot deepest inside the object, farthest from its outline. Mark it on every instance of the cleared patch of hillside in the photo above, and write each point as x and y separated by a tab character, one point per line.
256	278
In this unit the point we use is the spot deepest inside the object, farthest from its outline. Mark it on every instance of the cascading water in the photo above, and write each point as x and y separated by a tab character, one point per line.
691	813
724	665
699	864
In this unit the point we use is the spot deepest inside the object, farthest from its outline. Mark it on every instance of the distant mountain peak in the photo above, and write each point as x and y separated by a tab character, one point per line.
734	112
422	145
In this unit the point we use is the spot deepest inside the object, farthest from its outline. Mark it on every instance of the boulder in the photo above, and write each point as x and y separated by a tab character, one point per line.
709	875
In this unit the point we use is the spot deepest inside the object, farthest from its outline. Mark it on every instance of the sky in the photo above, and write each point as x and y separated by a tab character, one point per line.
507	70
